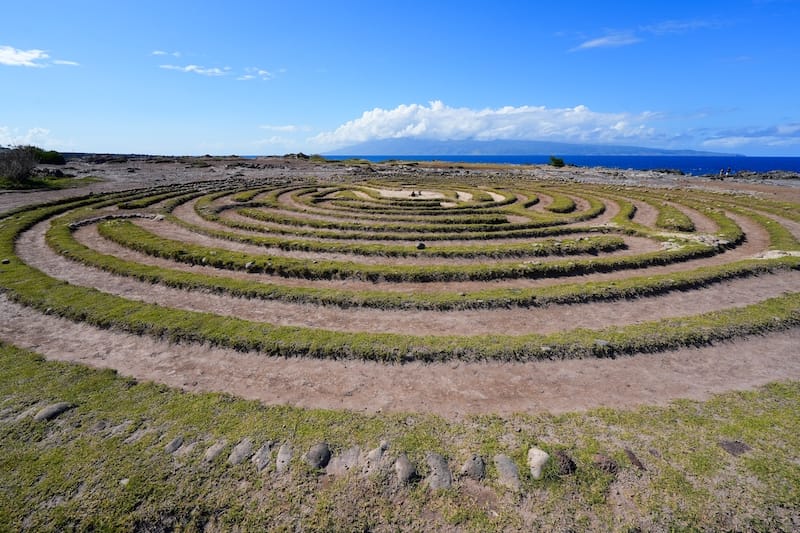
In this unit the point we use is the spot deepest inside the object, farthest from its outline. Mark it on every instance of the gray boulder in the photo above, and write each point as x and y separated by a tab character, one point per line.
283	459
474	468
52	411
405	470
440	476
507	472
319	455
241	451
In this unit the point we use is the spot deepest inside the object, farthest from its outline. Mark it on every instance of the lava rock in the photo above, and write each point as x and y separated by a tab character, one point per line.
440	476
319	455
52	411
240	452
474	468
507	472
262	457
566	465
345	462
174	444
605	463
283	459
214	451
405	470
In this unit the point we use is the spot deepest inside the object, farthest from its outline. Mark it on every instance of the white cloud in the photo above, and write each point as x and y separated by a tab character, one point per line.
441	122
164	53
615	39
612	40
22	58
252	73
284	128
779	136
35	136
197	69
15	57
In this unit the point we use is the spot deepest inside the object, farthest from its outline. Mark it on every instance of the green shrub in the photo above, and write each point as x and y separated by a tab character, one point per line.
556	161
17	164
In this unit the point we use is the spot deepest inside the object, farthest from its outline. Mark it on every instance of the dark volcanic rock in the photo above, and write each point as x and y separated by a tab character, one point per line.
474	468
52	411
734	447
440	476
319	455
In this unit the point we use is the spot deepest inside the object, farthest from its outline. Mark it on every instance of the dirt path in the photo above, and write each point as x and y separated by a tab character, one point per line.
451	390
32	249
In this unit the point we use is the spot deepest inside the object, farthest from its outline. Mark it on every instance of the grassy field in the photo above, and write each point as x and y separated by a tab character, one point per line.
103	464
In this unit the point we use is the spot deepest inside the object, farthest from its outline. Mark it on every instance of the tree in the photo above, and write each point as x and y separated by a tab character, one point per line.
556	161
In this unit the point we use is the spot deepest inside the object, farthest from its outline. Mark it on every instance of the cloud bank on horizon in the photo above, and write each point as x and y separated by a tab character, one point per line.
579	124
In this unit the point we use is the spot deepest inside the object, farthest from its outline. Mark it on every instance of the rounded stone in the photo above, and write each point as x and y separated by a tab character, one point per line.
507	472
404	469
440	476
319	455
283	458
52	411
536	460
241	451
174	444
262	457
474	468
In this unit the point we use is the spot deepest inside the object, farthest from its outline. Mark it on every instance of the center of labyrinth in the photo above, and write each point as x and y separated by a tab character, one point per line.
421	271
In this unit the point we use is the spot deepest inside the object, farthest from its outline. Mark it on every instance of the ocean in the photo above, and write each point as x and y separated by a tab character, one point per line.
695	165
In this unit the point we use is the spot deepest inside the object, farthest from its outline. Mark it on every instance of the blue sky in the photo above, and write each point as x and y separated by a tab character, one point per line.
173	77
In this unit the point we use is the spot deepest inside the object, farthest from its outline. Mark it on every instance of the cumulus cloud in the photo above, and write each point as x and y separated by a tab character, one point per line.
441	122
15	137
22	58
15	57
197	69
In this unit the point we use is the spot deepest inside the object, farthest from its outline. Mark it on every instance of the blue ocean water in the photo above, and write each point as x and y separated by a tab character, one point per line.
695	165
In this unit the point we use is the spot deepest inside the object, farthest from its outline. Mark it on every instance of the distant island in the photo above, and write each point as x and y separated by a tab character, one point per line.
423	147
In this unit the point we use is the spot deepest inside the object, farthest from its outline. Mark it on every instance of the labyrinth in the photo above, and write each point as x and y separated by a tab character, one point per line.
424	269
427	348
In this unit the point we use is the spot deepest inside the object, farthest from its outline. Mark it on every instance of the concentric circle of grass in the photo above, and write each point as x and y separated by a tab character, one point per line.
424	269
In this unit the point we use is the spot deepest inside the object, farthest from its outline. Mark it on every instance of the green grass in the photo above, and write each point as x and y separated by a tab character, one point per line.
66	474
47	183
